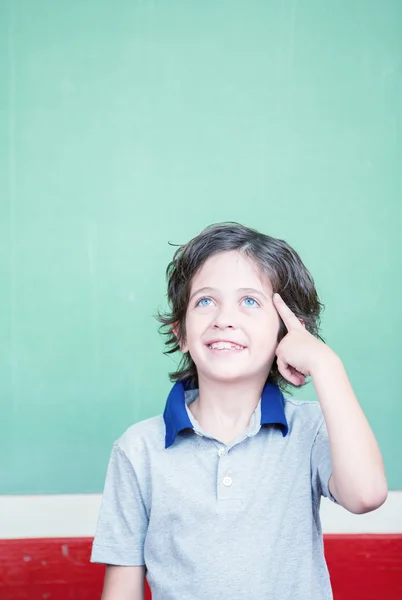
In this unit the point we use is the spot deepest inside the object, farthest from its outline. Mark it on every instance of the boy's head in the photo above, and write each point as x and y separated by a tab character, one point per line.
222	317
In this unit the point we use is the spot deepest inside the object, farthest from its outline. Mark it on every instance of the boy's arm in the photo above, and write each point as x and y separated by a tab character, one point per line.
358	479
121	529
123	583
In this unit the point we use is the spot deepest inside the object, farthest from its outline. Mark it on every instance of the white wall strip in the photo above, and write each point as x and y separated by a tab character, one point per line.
386	519
76	516
72	515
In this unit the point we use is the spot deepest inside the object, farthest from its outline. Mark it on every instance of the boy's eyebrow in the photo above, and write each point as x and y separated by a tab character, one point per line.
243	290
253	291
202	291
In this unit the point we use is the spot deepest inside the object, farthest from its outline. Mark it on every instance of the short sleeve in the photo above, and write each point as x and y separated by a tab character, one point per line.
321	463
123	521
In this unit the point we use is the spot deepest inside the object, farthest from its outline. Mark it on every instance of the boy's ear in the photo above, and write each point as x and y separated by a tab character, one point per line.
175	329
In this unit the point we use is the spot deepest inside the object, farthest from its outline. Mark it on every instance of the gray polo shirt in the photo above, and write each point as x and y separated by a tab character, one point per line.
220	522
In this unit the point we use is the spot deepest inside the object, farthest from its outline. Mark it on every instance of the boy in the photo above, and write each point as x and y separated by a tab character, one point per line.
219	498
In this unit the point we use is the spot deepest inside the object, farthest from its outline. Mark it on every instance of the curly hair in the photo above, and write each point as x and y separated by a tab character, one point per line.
284	267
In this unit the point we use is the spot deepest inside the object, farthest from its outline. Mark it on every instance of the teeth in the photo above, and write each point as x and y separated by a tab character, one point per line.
225	346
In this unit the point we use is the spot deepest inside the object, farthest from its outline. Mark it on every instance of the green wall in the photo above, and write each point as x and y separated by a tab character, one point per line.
126	125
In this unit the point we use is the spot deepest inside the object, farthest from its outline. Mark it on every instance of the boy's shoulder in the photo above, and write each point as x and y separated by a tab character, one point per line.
303	413
144	434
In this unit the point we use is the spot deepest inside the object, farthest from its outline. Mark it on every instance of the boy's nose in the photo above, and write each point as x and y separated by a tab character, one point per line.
224	320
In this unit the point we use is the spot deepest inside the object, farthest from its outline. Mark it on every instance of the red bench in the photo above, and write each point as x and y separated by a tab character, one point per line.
362	567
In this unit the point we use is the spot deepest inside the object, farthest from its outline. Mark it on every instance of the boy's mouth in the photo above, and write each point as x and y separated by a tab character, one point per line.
225	346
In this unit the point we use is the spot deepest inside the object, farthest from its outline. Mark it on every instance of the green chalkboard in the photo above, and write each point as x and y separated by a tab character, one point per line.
127	125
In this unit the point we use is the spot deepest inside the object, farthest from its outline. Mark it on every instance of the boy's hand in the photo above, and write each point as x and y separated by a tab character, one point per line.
299	353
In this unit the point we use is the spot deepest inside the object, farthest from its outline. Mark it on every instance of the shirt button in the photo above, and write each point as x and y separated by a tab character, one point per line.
221	451
227	481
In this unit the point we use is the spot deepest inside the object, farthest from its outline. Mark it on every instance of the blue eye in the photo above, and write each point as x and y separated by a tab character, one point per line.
204	302
250	302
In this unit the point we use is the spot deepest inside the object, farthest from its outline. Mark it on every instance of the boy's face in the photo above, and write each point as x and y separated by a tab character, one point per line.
231	323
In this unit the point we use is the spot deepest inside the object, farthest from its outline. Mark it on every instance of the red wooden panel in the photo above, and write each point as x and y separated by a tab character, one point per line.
50	569
365	567
362	567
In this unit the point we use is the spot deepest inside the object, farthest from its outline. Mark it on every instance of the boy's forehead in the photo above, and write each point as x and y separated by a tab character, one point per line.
231	267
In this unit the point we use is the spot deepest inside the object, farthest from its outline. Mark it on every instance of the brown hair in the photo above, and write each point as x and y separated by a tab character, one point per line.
287	273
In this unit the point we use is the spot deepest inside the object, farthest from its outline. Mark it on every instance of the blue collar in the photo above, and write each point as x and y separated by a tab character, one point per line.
176	417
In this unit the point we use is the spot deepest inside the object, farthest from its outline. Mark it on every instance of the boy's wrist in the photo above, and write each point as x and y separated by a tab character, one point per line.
326	364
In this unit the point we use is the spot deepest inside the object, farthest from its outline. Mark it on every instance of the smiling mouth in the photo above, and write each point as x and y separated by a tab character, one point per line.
225	347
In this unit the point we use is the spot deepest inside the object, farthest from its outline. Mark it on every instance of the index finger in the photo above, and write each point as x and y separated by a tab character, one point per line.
287	316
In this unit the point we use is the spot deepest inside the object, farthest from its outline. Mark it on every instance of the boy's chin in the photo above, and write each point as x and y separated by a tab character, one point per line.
227	375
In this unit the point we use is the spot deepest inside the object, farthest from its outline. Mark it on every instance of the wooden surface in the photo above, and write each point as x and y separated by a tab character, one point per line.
362	567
